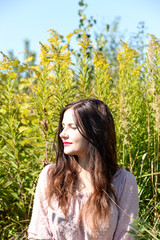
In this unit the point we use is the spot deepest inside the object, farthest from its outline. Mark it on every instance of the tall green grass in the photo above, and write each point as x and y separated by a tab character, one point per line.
31	97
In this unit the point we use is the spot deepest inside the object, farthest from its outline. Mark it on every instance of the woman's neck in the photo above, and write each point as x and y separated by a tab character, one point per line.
84	183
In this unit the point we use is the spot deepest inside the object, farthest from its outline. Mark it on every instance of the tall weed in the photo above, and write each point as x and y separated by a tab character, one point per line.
31	99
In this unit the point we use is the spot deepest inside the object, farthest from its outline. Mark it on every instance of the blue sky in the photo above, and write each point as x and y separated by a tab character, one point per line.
30	19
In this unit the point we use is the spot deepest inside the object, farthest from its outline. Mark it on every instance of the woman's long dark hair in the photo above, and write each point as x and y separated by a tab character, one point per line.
95	122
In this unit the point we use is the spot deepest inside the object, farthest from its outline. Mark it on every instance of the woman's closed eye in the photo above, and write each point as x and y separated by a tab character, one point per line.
73	127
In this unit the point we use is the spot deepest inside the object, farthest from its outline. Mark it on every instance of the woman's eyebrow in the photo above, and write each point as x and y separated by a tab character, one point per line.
72	123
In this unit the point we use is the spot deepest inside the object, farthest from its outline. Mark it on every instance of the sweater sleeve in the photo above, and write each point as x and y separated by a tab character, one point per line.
39	226
128	203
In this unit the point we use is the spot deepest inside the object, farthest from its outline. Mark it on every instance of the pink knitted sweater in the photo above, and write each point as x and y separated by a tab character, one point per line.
49	223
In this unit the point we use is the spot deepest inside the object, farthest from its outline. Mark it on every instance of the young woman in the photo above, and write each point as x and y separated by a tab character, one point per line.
85	195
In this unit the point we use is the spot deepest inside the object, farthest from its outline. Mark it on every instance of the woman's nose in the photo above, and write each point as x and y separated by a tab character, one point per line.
63	134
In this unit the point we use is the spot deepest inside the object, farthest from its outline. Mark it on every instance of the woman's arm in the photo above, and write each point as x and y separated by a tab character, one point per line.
39	226
128	204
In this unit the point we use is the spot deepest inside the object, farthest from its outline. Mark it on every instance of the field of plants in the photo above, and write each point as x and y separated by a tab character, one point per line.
31	97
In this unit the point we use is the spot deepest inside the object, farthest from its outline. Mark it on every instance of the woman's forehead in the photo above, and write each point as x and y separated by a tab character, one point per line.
68	116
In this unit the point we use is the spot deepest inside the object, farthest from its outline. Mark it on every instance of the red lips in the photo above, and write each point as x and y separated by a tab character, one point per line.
66	143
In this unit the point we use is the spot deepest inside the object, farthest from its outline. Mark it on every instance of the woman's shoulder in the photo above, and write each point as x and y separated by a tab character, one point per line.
123	179
122	173
43	180
47	168
44	173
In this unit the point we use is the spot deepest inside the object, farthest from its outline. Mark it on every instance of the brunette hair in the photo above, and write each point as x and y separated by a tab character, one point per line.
95	123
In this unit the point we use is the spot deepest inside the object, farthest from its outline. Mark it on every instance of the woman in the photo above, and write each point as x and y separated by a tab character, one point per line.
85	195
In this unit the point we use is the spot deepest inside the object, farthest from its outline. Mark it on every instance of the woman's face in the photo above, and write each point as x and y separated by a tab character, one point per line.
74	143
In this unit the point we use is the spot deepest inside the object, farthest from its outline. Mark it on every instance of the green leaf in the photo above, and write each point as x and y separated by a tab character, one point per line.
15	195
